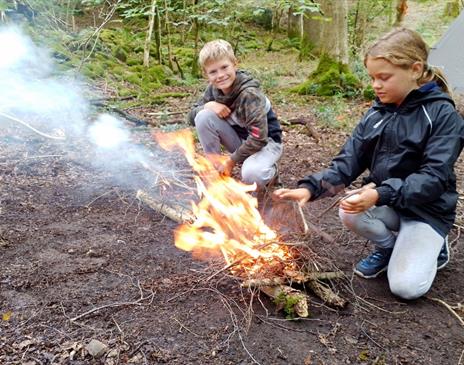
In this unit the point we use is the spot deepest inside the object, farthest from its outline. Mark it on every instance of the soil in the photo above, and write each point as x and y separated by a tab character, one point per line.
76	244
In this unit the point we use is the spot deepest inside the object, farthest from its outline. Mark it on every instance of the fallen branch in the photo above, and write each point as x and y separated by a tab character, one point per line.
326	294
310	279
291	300
307	122
175	212
14	119
447	306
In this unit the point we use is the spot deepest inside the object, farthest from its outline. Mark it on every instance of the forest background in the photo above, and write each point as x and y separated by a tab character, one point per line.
90	275
144	53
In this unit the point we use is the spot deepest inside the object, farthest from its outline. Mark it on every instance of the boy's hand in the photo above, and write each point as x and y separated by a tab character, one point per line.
221	110
300	195
361	202
226	167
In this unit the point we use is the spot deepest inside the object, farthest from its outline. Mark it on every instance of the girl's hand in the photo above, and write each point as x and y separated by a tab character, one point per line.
300	195
361	202
221	110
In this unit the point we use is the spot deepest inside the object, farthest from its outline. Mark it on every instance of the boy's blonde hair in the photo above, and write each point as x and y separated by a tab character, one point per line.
403	47
215	51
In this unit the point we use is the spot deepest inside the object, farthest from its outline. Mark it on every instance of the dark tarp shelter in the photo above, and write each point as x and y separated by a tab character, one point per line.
448	53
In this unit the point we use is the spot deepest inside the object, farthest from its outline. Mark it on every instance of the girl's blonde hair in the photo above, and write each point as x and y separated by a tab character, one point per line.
403	47
215	51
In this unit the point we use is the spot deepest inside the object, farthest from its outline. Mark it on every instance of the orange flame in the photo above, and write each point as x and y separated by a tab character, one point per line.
227	218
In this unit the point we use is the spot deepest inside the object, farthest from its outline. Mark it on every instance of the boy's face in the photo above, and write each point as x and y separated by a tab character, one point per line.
392	83
221	74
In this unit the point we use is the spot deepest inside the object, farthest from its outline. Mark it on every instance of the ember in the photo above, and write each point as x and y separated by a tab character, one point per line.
227	218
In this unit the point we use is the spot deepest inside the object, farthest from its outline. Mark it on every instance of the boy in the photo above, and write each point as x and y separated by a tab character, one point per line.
235	113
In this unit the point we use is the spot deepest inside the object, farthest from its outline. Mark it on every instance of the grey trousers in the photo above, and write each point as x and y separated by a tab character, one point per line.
214	132
416	245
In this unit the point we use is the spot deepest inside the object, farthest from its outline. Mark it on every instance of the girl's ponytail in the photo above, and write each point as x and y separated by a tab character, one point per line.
434	73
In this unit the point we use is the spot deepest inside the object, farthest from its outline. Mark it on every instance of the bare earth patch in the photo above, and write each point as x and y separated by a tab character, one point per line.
83	260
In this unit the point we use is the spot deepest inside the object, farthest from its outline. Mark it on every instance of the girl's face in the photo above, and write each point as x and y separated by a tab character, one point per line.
392	83
221	74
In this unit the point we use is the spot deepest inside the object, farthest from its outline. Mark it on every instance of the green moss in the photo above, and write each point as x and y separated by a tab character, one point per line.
134	62
93	70
330	78
120	54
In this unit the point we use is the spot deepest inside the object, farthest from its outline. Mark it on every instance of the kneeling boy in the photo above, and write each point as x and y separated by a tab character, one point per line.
235	113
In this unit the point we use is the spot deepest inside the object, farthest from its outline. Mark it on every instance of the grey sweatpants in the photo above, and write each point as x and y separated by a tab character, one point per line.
213	132
416	245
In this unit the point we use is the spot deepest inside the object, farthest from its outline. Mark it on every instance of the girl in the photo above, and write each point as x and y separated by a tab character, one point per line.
409	141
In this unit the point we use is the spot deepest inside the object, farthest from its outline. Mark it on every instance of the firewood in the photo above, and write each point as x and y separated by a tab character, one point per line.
291	300
176	212
323	291
326	294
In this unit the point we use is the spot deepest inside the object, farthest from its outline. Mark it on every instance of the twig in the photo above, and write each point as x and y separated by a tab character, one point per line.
237	261
184	327
347	195
14	119
120	304
97	33
447	306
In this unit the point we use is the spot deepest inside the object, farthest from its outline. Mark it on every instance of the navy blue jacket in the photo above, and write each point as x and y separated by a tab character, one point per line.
409	152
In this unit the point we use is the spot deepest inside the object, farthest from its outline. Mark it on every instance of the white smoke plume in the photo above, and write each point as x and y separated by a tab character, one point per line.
35	100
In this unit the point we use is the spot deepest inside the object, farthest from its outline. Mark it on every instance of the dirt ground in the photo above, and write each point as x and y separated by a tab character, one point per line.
83	260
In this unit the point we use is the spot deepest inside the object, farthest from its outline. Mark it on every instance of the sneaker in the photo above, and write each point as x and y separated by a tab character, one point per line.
444	255
374	264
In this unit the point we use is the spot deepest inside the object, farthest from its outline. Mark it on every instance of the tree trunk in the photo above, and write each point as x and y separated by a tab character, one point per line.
360	23
293	24
196	25
159	56
168	34
329	35
151	23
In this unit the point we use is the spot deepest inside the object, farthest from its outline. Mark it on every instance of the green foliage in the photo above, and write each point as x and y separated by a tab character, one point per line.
330	78
120	54
368	93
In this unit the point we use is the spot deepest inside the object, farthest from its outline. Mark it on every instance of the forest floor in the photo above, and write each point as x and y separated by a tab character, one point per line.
73	240
83	260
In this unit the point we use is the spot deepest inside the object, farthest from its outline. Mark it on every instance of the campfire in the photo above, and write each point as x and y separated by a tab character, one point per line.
226	221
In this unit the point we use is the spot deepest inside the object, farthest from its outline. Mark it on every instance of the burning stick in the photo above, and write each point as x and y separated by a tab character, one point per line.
175	212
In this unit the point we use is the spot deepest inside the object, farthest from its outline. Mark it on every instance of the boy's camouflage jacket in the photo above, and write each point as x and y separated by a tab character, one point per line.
248	105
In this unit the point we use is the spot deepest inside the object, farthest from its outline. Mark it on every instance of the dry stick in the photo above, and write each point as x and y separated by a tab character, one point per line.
237	261
347	195
447	306
177	213
14	119
120	304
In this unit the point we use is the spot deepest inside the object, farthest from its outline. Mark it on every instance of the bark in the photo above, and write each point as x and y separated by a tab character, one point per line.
151	23
168	34
329	34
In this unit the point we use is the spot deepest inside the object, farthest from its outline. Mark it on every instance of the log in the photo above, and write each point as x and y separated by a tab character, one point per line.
312	280
326	294
291	300
173	211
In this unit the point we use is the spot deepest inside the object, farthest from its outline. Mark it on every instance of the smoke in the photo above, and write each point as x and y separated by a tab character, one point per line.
35	100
